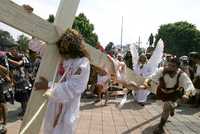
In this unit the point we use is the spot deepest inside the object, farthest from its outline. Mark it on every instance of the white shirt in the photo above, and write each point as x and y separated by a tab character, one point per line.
184	81
144	71
198	70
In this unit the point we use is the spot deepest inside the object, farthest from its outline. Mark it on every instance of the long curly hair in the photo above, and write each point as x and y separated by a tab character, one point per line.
69	44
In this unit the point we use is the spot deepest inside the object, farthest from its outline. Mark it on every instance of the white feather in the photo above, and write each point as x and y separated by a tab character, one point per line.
134	54
156	57
123	101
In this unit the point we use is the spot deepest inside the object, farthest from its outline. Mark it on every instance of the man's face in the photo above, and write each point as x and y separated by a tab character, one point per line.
142	60
13	51
119	58
168	58
171	67
184	63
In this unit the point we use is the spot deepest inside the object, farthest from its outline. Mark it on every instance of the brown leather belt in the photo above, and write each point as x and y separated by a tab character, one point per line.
168	91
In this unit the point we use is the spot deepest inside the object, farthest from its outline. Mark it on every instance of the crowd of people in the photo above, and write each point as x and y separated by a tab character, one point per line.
17	75
177	78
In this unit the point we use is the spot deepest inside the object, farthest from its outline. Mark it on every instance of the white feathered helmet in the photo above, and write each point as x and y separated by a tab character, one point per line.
184	58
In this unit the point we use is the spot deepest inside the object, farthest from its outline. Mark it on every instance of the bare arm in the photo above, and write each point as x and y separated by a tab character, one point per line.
18	63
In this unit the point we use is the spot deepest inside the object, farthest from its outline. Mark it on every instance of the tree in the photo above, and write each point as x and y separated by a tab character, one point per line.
5	35
128	60
151	39
51	18
83	25
23	42
6	40
110	49
180	38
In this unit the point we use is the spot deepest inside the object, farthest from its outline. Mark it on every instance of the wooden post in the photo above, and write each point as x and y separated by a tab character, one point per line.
64	19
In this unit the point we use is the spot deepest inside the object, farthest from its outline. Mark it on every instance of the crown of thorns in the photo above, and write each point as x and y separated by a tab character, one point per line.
71	38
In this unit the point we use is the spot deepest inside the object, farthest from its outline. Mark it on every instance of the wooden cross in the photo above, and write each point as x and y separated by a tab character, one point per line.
15	16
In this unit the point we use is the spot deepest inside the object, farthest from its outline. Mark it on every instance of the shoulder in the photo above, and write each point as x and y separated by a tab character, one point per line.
198	68
182	74
84	65
85	59
84	62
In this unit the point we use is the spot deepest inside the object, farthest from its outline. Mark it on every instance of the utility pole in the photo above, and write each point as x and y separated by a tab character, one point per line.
139	42
122	32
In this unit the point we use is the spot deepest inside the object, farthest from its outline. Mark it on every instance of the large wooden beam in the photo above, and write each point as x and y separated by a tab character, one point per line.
15	16
97	57
64	19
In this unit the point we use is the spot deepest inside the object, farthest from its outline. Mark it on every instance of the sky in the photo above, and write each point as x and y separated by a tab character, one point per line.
140	17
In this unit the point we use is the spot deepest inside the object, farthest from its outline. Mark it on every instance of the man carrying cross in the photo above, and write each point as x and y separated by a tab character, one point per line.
64	99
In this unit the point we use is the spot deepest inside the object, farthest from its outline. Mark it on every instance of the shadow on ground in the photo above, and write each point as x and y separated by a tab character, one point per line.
90	104
147	130
12	115
187	110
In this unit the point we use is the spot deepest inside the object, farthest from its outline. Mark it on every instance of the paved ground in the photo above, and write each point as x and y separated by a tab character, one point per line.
131	119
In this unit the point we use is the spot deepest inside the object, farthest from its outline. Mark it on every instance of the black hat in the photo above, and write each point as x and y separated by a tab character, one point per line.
194	54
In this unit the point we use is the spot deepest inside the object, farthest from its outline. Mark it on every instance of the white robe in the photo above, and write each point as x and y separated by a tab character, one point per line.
140	95
68	92
184	81
149	68
120	69
186	70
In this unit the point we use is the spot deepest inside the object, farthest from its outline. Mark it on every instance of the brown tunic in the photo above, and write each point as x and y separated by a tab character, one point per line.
169	94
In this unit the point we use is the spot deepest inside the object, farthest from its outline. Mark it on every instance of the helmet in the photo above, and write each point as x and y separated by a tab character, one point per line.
184	58
194	55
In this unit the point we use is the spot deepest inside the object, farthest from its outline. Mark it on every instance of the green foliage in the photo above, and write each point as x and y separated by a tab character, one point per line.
151	39
140	50
23	42
5	35
83	25
6	40
180	38
51	18
109	47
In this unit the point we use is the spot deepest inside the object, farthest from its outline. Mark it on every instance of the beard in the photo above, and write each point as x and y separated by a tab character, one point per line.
170	72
